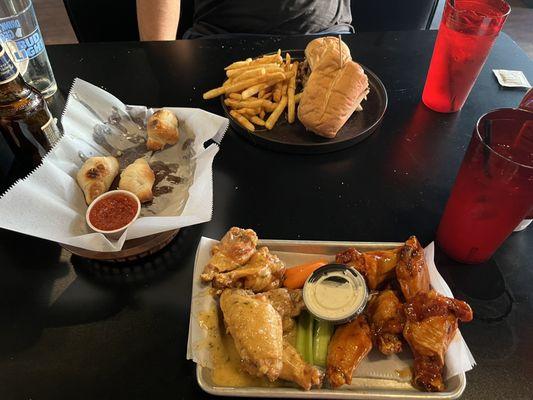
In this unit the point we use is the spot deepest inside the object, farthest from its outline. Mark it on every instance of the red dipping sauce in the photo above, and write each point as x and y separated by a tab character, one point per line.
113	212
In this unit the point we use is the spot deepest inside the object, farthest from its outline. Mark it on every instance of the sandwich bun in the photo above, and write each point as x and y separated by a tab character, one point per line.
316	49
332	93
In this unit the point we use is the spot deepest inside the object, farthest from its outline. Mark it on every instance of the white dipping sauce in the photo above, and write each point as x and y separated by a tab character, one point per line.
336	294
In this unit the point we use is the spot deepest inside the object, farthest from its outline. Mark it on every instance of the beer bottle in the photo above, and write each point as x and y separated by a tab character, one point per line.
27	129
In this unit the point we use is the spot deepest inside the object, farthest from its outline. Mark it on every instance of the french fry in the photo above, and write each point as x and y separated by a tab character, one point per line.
211	94
239	86
239	64
249	103
270	67
268	105
291	107
289	75
273	58
241	119
284	87
279	91
249	111
297	97
256	89
276	94
253	111
272	119
257	120
274	77
236	104
287	70
231	102
252	73
253	90
252	86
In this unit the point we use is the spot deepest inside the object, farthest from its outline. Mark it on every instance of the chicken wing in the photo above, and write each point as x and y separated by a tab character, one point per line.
288	303
234	250
387	319
348	346
432	321
296	370
376	266
412	270
261	273
255	327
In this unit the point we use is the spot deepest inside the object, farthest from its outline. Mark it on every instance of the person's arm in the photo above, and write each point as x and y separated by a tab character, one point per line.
158	19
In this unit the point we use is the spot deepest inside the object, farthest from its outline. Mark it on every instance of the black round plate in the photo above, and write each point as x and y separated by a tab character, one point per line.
294	138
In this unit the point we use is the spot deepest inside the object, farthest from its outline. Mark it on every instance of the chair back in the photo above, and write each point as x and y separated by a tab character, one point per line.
392	15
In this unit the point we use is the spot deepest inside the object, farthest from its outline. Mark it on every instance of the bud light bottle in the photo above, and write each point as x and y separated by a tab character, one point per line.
21	38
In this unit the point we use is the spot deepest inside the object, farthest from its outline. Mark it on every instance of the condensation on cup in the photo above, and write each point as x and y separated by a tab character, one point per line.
22	39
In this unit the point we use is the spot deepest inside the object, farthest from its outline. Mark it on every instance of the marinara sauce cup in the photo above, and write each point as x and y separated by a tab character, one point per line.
113	212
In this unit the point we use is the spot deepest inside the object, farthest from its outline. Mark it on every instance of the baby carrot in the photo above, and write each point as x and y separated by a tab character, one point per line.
295	277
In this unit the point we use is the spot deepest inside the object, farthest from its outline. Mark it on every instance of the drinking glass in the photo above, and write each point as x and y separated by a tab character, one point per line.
467	31
21	37
493	190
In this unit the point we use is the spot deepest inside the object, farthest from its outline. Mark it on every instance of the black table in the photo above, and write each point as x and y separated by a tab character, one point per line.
73	329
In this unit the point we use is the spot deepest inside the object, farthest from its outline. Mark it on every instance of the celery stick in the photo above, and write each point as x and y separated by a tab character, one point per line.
309	339
304	337
323	331
300	335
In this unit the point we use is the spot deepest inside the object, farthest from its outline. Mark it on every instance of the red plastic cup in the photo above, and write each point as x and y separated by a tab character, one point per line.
493	191
526	104
467	31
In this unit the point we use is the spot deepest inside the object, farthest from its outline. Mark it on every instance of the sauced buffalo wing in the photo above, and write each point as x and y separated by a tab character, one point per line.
348	346
376	266
412	270
387	319
432	321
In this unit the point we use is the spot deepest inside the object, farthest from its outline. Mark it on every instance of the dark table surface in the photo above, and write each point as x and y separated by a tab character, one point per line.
75	329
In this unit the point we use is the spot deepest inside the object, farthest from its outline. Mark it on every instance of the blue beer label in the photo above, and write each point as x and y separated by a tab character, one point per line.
27	46
8	70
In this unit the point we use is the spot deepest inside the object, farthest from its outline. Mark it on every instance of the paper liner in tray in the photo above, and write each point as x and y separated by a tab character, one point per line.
49	203
458	357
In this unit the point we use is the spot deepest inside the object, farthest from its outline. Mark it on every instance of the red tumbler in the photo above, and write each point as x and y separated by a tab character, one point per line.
467	31
493	191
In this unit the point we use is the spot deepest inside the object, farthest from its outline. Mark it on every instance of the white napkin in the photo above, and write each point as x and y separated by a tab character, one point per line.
376	365
49	203
458	357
